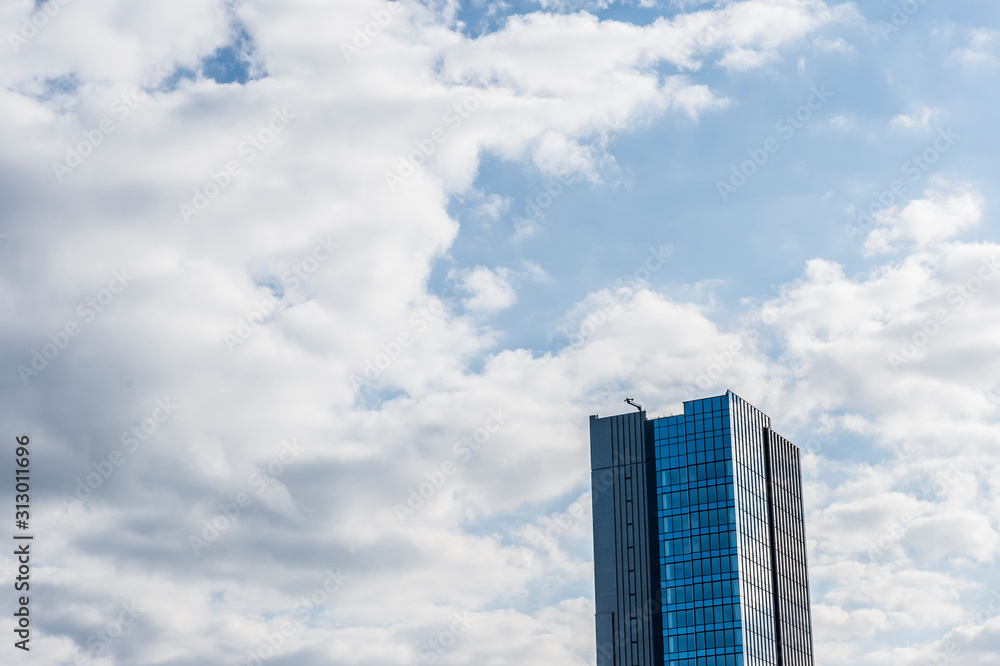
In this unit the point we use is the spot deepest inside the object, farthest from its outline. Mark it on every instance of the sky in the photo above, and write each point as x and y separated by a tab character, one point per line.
305	307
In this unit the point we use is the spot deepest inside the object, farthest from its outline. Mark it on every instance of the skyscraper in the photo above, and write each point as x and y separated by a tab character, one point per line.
699	539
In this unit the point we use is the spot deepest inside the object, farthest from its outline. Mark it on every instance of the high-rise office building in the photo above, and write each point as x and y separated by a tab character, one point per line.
699	539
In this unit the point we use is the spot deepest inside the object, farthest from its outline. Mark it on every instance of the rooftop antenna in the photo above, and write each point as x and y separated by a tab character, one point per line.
632	402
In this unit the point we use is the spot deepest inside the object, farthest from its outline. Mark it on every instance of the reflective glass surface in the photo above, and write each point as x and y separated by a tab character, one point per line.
699	557
719	538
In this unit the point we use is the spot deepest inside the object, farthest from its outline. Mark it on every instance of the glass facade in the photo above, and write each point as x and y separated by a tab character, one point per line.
699	554
729	524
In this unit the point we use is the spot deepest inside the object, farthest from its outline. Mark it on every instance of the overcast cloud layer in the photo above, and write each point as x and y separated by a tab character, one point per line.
305	306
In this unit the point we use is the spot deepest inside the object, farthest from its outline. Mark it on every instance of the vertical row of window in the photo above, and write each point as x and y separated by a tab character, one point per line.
757	588
793	582
631	607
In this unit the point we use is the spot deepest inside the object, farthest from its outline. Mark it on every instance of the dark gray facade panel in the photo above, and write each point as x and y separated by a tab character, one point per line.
629	631
605	639
601	455
605	532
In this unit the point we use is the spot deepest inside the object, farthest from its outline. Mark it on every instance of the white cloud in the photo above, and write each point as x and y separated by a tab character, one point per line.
534	272
918	120
956	533
942	214
981	49
371	372
494	206
840	122
490	290
975	642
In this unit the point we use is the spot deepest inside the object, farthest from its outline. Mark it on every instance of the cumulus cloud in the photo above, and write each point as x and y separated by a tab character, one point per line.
490	290
292	309
943	213
276	293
